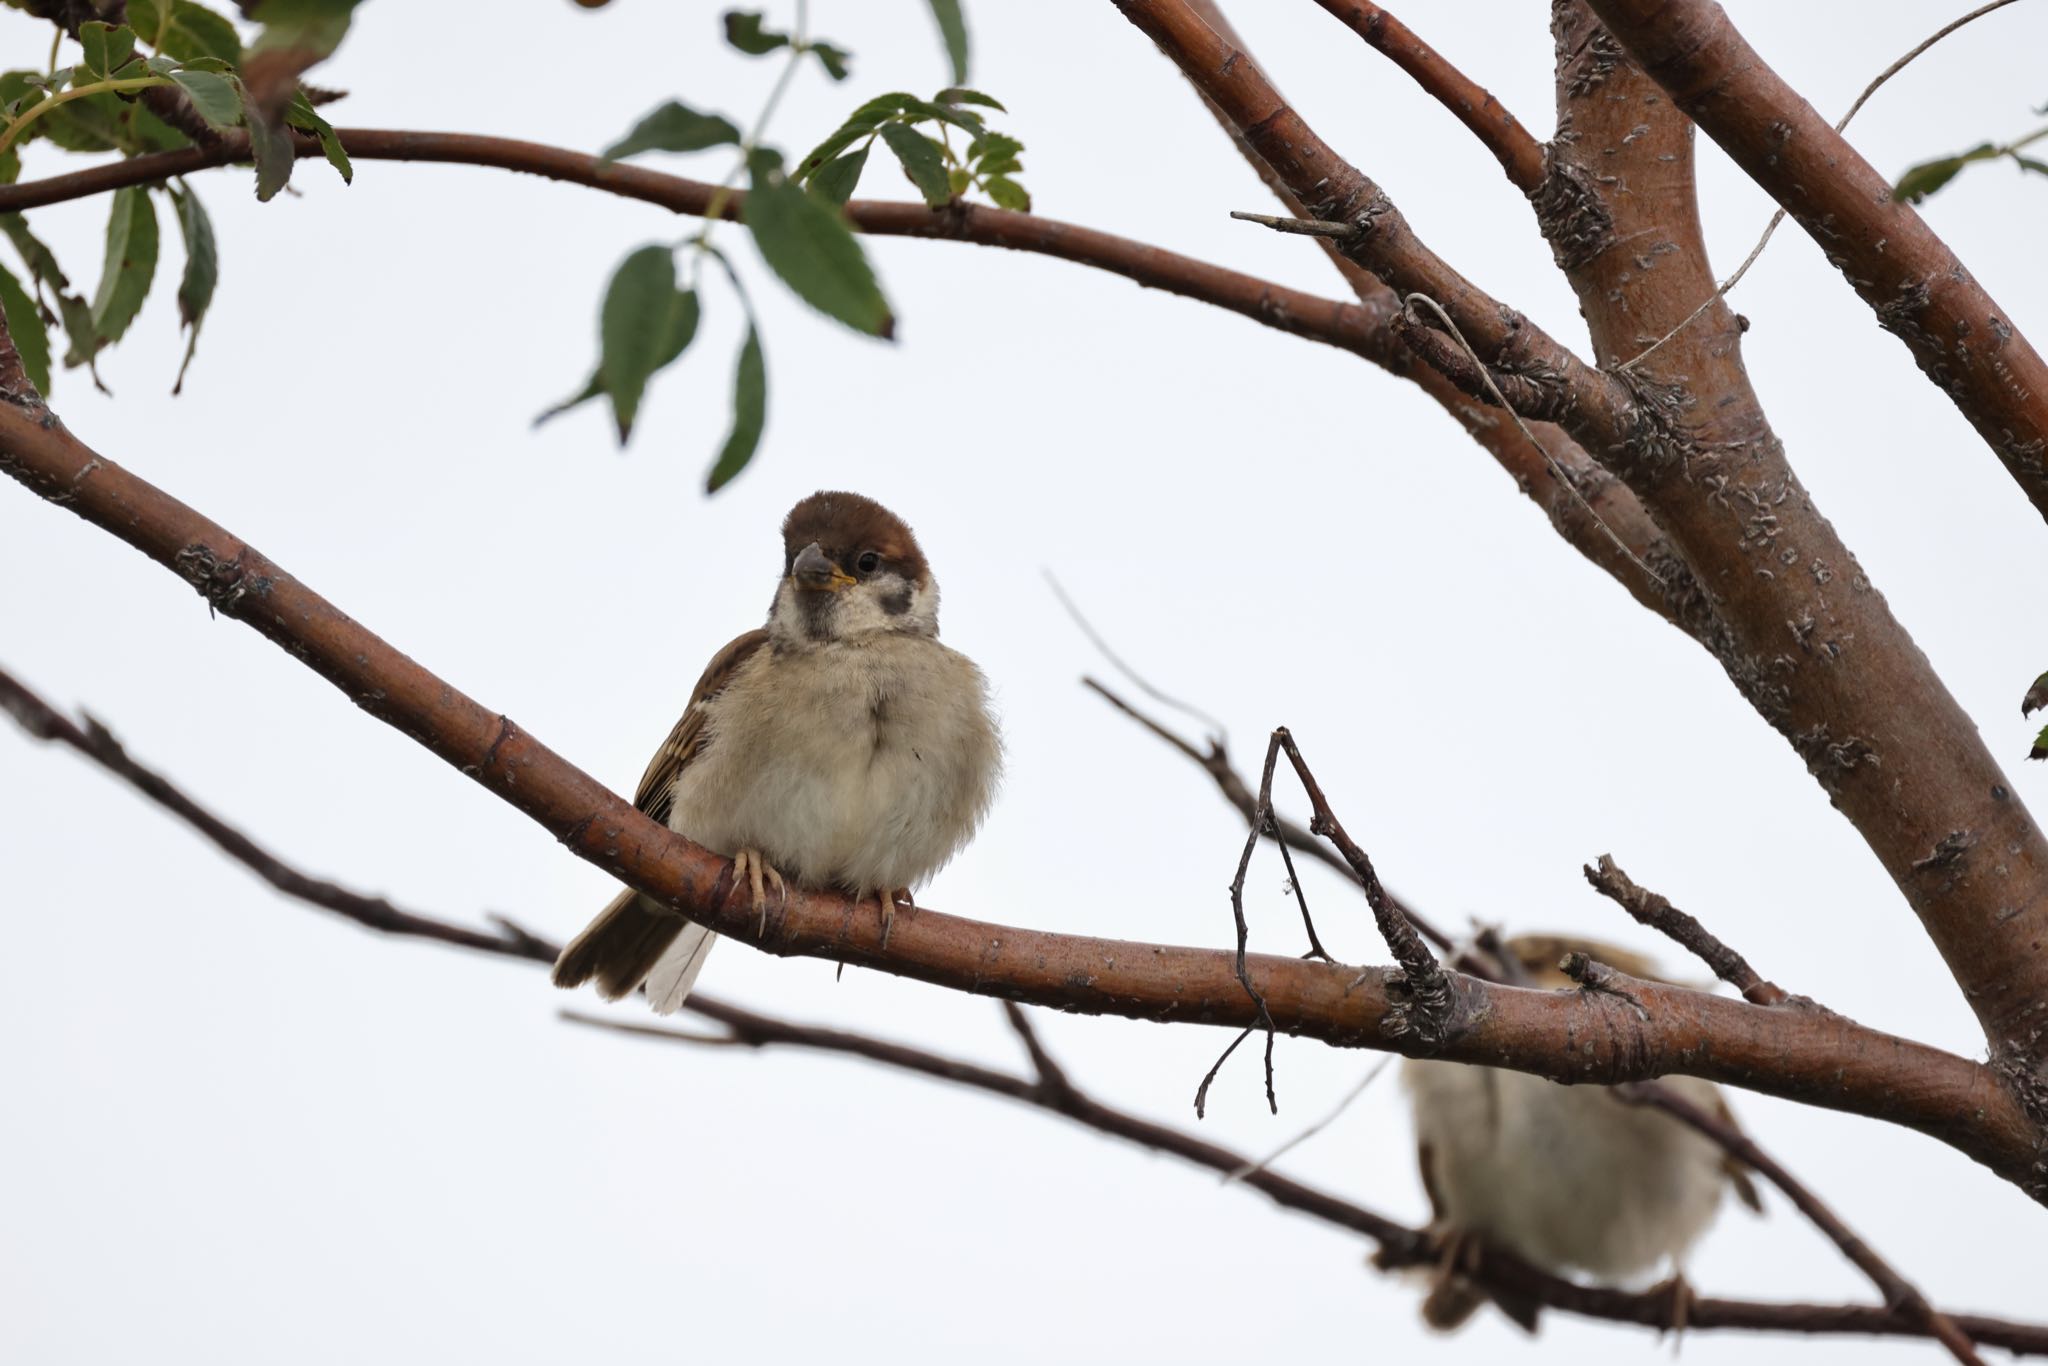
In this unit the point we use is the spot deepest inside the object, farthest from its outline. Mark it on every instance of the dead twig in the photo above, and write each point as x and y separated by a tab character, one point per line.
1652	910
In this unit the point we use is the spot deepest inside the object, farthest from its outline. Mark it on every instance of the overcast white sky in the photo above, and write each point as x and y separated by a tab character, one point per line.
236	1131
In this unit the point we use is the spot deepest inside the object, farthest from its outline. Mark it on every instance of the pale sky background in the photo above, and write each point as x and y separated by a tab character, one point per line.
238	1131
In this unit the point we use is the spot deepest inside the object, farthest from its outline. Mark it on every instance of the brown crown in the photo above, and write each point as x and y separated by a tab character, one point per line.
844	525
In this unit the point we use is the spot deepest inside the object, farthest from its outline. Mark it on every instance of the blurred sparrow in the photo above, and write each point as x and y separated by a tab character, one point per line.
840	746
1569	1177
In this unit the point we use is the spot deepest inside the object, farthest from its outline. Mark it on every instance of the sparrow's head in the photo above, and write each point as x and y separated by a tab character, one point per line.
850	567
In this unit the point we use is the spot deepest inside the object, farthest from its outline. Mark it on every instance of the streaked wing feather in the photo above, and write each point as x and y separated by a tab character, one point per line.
686	741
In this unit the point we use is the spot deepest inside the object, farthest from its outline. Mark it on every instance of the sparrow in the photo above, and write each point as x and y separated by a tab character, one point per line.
839	746
1569	1177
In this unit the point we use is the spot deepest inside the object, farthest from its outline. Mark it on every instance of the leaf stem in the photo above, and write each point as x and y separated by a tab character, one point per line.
30	115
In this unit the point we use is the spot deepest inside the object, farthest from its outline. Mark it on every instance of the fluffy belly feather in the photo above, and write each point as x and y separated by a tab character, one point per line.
860	764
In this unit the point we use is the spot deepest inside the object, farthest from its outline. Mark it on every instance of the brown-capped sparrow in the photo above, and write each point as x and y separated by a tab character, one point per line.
840	746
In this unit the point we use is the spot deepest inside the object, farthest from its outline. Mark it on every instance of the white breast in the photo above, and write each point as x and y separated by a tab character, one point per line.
1568	1176
861	764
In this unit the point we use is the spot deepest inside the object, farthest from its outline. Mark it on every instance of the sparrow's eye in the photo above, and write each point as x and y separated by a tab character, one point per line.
868	562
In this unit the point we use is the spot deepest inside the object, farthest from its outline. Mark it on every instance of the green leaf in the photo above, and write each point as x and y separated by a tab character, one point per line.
993	147
184	30
301	115
1007	193
743	30
1923	180
25	324
202	272
107	48
85	340
953	31
215	97
91	124
682	327
749	413
130	265
41	262
674	127
270	146
918	110
808	244
834	59
2029	164
924	161
834	182
858	125
302	26
634	328
960	94
2040	749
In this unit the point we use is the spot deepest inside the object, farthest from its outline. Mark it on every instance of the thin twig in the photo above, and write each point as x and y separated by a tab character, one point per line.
1300	227
1648	908
1722	289
1486	376
1898	1292
1371	1075
1218	732
1261	826
1050	1073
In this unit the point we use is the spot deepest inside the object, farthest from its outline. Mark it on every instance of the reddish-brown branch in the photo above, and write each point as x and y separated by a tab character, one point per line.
1053	1090
1512	145
1355	327
1801	1054
1968	345
1896	1289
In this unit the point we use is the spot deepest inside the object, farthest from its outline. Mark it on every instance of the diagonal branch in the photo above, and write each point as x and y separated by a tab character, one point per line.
1652	910
1512	145
1053	1090
1967	344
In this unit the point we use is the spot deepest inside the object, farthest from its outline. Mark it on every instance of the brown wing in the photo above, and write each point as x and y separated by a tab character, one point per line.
686	741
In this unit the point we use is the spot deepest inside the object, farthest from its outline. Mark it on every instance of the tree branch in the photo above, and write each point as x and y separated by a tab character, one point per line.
1053	1090
1512	145
1921	293
1356	328
1800	1054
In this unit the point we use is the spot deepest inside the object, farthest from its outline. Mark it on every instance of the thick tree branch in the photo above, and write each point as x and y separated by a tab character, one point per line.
1921	293
1357	328
1053	1089
1512	145
1801	1054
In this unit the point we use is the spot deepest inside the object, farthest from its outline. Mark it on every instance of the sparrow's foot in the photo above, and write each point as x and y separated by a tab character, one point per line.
1677	1294
754	866
887	901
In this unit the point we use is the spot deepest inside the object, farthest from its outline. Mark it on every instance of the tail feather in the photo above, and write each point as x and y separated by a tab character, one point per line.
621	947
668	986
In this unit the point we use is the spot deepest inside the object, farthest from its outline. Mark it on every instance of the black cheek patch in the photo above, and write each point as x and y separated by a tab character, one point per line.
896	603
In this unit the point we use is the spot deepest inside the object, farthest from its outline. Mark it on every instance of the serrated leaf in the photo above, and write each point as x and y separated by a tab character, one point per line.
303	116
683	317
835	60
215	97
184	30
749	413
743	30
960	94
953	32
130	264
202	272
25	324
858	125
1005	166
808	244
993	147
924	161
834	182
1007	193
966	119
90	124
1929	176
83	340
674	127
270	147
633	329
41	262
107	47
